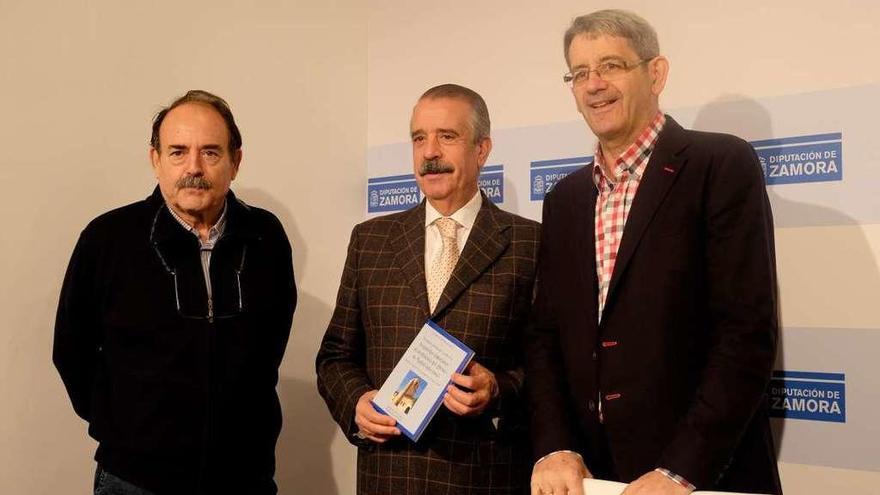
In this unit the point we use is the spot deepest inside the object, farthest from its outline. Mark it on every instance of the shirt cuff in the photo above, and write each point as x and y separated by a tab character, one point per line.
676	478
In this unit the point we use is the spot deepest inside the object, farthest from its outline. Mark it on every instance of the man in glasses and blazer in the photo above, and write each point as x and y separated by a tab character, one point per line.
655	320
173	319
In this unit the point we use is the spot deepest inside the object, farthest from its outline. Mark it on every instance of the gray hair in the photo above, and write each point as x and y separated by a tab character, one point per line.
206	98
480	124
622	23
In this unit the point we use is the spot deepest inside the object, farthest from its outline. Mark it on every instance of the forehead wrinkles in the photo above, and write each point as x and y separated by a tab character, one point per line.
601	47
194	121
443	113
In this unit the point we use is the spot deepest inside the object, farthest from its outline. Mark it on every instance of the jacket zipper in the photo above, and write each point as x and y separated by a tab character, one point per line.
206	433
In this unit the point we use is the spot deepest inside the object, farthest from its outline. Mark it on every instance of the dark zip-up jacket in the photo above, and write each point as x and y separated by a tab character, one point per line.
178	390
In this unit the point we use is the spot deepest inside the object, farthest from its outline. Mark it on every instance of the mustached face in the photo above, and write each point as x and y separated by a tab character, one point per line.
194	182
446	161
435	166
194	166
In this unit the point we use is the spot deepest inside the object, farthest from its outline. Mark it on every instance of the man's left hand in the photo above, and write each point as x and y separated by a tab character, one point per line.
655	483
471	393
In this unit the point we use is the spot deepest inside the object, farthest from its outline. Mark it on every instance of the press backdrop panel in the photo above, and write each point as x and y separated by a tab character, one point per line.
822	168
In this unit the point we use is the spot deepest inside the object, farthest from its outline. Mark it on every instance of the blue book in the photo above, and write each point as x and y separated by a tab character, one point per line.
414	390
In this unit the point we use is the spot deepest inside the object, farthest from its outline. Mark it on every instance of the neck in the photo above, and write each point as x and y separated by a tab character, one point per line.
614	147
448	206
609	158
201	222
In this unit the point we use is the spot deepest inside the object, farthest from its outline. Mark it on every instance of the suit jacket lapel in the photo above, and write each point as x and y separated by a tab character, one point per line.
487	241
662	170
584	234
408	243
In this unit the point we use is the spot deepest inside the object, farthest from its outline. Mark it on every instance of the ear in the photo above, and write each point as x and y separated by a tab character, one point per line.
658	69
154	160
236	162
484	147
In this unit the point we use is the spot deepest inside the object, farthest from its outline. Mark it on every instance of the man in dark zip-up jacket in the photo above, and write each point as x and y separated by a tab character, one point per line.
173	320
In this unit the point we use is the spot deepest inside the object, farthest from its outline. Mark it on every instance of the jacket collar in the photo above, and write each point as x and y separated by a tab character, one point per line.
487	241
664	167
489	238
165	227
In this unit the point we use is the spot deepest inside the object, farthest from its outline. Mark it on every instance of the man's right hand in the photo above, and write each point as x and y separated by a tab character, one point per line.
372	424
560	474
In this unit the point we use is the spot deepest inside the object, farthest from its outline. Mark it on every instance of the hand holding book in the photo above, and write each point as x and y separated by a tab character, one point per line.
420	381
655	483
373	425
471	393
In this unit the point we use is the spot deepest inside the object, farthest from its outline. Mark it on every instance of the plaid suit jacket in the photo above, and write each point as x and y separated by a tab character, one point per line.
383	303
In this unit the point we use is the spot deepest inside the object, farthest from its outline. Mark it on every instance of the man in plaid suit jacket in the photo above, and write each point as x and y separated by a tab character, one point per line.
477	443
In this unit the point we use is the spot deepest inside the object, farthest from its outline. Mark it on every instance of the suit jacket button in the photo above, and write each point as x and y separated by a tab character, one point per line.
591	405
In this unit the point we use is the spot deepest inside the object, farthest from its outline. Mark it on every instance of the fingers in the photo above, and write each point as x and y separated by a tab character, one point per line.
373	428
475	368
467	381
375	438
377	433
556	484
471	393
557	488
655	483
460	408
474	376
465	403
560	474
467	399
369	413
546	487
372	424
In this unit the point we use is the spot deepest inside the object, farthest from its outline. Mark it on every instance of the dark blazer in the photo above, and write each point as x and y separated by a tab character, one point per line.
383	303
684	351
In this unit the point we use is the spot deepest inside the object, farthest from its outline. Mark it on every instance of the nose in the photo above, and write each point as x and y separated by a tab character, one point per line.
195	165
432	148
594	83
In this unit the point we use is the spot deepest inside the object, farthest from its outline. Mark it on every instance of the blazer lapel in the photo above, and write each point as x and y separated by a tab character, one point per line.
584	237
662	170
408	243
487	241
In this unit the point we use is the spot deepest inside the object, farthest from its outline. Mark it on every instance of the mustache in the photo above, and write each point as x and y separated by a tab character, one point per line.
435	167
193	181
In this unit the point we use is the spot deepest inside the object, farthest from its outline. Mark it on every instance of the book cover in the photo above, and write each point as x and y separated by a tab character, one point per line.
414	390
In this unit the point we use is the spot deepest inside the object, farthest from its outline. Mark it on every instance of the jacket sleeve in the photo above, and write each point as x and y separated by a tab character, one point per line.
511	381
742	306
77	341
280	314
550	420
510	390
341	360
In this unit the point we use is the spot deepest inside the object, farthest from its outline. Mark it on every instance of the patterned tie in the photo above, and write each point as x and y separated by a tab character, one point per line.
442	268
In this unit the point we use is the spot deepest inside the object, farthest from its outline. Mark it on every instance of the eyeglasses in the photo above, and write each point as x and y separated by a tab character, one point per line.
606	71
213	313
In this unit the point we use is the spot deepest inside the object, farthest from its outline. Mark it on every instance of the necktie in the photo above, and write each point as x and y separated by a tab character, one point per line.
442	268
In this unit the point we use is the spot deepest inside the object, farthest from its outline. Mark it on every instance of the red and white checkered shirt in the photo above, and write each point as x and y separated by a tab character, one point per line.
616	195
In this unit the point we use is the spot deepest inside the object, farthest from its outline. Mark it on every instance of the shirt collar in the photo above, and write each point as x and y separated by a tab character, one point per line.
634	159
465	216
214	232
